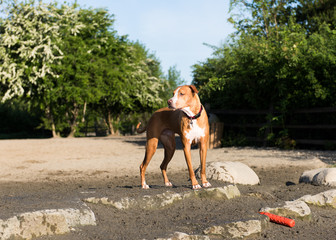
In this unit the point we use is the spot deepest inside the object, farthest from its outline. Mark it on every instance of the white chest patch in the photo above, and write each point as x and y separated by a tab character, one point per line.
195	133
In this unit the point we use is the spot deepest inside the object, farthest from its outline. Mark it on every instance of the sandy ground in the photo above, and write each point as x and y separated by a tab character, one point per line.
56	173
46	159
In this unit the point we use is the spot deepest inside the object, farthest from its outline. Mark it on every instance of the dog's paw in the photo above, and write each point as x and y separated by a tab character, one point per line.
145	186
168	184
206	185
196	187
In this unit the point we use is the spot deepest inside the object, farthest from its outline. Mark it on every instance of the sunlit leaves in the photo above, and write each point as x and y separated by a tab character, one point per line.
30	44
274	61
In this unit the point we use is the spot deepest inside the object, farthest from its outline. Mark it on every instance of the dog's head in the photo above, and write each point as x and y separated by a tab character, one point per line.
184	96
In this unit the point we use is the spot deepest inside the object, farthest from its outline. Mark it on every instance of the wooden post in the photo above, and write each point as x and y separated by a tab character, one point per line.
215	135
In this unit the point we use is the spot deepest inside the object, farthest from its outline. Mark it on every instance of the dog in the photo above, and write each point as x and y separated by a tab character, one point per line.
186	116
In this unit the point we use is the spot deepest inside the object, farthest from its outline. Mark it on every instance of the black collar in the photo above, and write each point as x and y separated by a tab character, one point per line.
197	115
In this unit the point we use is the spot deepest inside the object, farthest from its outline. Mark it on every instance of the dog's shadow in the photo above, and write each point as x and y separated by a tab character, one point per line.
156	187
142	142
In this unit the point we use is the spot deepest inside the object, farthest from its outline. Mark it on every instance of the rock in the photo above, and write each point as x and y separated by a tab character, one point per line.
167	198
232	172
146	202
320	176
159	201
327	198
47	222
238	229
184	236
295	209
226	192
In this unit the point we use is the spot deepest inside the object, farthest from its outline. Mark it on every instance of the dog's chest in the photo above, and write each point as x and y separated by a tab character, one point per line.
194	132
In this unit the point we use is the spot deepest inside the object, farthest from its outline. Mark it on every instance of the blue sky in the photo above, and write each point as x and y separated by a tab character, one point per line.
174	30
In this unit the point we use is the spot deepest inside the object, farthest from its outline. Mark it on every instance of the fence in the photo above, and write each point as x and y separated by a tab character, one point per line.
314	127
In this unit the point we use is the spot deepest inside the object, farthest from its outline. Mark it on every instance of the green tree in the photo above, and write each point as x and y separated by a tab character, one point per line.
78	84
133	84
313	13
29	44
69	61
272	62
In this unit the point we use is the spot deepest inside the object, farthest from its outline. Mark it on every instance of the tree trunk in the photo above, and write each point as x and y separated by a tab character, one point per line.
269	124
109	122
72	132
53	130
84	112
50	118
73	123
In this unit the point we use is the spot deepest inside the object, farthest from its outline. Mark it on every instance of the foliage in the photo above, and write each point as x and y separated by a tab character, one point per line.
69	63
29	45
173	81
281	59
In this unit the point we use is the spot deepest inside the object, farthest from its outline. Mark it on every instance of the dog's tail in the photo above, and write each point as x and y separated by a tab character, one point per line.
138	130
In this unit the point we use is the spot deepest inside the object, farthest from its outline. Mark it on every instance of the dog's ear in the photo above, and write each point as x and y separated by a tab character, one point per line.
193	89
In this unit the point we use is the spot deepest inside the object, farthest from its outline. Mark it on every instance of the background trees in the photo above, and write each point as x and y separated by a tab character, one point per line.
282	58
65	68
272	60
69	65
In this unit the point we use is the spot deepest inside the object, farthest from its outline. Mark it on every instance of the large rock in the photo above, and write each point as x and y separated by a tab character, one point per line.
295	209
167	198
232	172
47	222
327	198
320	176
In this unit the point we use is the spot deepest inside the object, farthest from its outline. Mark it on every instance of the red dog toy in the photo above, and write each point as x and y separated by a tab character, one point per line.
280	220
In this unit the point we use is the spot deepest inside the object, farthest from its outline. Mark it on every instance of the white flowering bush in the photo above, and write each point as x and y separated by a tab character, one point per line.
30	44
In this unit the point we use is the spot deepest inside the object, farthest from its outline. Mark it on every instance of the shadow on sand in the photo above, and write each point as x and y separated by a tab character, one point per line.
141	141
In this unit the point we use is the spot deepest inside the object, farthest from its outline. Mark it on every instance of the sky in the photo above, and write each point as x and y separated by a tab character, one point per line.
174	30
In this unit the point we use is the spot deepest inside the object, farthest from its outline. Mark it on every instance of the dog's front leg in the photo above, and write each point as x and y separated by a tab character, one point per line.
203	153
187	154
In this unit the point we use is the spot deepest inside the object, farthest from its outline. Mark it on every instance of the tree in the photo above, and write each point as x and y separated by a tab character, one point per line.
270	62
273	62
67	60
29	45
313	13
79	80
133	83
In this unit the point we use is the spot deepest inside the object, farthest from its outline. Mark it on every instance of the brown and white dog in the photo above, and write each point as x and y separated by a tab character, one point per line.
185	116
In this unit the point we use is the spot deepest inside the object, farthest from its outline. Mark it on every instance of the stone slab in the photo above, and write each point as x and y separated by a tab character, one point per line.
238	229
167	198
327	198
46	222
294	209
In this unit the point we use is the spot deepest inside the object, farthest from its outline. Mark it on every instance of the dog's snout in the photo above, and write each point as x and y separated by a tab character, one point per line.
170	102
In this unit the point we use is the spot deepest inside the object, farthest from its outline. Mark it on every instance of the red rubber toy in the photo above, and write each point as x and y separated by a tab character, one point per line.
280	220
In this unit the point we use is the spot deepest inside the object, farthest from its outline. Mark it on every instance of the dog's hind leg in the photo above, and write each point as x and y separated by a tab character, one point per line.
167	138
151	147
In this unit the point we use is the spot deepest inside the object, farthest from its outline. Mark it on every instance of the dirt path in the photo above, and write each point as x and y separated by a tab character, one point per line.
57	173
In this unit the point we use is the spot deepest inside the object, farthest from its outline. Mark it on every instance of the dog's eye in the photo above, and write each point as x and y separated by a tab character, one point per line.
181	94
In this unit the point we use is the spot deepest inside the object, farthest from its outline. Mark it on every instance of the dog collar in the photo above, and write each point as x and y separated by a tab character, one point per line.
195	116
